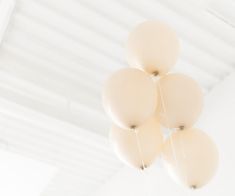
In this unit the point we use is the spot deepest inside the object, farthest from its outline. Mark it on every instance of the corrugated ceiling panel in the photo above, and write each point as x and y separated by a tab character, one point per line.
54	59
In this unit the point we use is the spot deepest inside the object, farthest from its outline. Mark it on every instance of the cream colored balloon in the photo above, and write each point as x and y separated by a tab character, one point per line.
149	138
153	46
180	101
191	157
130	97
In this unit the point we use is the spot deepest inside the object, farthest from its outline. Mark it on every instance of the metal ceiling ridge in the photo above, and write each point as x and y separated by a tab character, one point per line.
44	120
213	56
204	19
59	157
46	136
57	88
74	46
52	68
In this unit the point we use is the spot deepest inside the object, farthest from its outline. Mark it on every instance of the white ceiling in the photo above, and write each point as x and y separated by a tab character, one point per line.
55	56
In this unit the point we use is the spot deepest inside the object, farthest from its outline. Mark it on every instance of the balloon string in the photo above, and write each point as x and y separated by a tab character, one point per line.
139	149
171	131
168	124
185	157
143	167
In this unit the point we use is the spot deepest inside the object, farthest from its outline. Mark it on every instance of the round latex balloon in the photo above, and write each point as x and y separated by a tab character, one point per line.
138	149
191	157
130	97
180	101
153	46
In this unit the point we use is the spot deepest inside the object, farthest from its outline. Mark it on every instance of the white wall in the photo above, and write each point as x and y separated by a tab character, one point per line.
218	120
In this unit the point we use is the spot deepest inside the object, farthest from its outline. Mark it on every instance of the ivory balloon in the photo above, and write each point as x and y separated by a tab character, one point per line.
180	101
153	46
130	97
149	138
191	157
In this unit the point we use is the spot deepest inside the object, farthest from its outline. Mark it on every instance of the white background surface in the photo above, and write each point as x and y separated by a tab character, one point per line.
21	176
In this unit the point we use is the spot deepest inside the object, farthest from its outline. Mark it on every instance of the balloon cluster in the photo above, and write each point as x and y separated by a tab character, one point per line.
144	98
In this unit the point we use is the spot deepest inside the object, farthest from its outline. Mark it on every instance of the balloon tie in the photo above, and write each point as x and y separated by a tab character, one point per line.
155	73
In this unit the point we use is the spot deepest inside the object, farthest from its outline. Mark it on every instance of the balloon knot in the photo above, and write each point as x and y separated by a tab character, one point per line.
143	167
155	73
181	127
133	126
193	186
